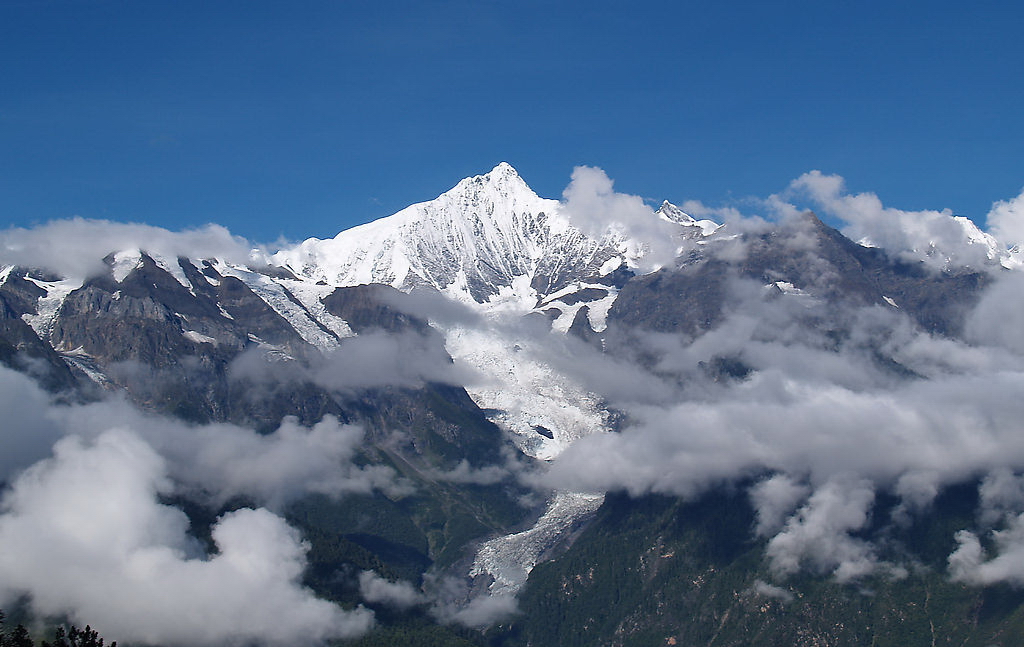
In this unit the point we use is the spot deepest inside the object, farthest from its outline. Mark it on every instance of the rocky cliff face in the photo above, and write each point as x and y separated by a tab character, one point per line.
802	259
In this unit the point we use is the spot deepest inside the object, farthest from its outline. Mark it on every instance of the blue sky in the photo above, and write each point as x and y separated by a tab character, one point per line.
302	119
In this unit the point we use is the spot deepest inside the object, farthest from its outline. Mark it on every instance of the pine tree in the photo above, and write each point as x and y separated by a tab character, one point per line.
75	637
72	637
19	638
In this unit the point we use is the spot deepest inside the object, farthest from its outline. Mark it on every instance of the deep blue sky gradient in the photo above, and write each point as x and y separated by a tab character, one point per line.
302	119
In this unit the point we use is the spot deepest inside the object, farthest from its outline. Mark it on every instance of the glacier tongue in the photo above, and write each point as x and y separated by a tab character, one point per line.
49	305
509	559
543	412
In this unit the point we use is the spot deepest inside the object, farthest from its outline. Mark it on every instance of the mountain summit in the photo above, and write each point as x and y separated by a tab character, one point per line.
489	234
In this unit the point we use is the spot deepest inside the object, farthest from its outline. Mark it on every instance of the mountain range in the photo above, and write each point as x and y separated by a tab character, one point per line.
498	419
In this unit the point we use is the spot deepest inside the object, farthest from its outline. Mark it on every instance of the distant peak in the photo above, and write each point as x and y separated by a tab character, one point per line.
503	173
672	213
812	219
502	178
503	168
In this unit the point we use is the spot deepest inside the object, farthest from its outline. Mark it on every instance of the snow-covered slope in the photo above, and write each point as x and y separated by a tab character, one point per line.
474	240
672	213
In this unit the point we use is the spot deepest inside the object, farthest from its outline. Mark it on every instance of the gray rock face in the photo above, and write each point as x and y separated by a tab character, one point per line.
215	350
806	258
20	347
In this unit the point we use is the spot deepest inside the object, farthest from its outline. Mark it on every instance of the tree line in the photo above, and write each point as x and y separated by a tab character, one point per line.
71	637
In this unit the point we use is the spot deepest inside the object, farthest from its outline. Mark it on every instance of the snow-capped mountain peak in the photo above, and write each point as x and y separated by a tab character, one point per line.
671	213
487	234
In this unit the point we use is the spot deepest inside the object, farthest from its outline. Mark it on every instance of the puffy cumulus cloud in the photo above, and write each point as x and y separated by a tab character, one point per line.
402	595
599	375
813	405
1001	495
483	611
430	305
596	209
1001	502
830	390
220	461
970	564
916	490
1006	221
225	461
75	247
818	534
774	499
466	473
937	237
84	534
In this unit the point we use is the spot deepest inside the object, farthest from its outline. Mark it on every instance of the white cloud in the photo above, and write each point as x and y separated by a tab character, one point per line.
452	603
596	209
466	473
1001	496
698	210
26	434
763	589
401	595
84	534
999	317
219	461
774	499
818	535
484	611
810	410
970	564
1006	221
75	247
917	490
952	427
228	461
937	237
373	359
378	358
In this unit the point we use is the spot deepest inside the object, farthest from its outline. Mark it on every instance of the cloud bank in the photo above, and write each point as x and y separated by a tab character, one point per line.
832	420
220	461
87	533
84	534
937	237
75	247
